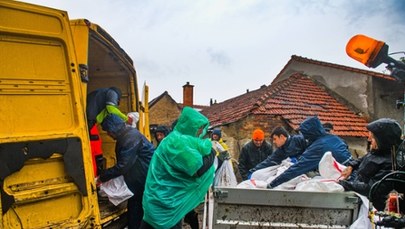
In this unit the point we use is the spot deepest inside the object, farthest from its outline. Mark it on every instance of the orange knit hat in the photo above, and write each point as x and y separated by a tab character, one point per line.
258	134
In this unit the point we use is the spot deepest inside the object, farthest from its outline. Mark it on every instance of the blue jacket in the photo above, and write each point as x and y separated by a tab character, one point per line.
319	142
293	147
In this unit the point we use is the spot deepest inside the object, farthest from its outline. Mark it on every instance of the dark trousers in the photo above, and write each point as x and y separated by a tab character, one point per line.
192	219
145	225
135	211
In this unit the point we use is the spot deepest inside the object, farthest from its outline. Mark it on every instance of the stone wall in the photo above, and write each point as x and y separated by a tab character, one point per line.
164	112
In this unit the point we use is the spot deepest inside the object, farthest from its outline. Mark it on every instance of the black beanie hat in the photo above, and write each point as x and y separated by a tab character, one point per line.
217	132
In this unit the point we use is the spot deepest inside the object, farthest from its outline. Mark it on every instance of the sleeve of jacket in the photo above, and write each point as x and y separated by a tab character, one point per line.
125	159
242	163
354	163
365	179
114	110
207	163
274	159
307	162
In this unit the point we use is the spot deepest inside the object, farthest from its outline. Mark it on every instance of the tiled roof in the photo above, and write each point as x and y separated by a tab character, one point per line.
233	109
293	99
338	66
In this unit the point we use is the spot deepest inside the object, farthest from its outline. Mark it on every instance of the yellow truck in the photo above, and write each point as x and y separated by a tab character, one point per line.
48	64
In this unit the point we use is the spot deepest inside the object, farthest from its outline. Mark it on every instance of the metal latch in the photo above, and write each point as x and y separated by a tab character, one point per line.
220	194
84	72
352	199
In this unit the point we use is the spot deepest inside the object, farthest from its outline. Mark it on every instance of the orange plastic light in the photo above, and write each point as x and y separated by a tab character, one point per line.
364	49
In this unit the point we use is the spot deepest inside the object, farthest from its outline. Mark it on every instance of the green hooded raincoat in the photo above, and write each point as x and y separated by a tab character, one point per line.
172	187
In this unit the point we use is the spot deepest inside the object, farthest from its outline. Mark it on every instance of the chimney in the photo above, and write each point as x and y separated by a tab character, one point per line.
188	94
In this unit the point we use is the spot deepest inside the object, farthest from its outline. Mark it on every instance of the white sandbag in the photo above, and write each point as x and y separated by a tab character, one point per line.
363	220
291	184
261	184
319	185
247	184
266	173
329	168
225	177
116	190
252	184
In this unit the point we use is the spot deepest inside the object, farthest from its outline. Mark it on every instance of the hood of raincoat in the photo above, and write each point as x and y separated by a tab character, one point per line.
113	124
190	121
387	133
311	128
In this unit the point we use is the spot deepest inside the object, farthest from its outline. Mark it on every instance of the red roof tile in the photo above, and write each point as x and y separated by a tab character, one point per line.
293	99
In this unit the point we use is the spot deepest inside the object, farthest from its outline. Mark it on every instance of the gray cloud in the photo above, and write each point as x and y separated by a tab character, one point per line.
235	44
219	57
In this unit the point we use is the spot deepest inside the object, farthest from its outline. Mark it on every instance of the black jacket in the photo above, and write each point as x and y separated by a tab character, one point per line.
377	163
368	170
251	155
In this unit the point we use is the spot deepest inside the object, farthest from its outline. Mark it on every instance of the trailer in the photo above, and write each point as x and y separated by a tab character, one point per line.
261	208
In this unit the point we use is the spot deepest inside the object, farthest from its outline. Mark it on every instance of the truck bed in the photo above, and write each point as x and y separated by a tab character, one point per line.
249	208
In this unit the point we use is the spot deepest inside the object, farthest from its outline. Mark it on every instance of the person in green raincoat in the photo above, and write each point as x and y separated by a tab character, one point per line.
180	173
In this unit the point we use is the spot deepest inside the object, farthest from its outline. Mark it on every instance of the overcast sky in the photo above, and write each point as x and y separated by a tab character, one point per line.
224	47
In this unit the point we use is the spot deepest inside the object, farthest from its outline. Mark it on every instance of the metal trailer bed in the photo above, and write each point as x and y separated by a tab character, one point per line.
261	208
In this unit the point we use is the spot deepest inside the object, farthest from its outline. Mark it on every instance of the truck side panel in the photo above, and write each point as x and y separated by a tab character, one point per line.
43	139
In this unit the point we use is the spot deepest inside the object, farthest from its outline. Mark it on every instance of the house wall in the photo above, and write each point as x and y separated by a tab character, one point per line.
385	95
164	112
357	146
373	97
